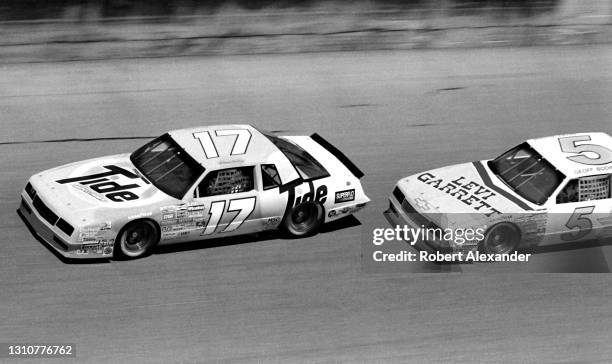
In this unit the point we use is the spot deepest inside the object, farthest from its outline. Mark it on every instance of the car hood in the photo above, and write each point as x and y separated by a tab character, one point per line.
110	182
467	191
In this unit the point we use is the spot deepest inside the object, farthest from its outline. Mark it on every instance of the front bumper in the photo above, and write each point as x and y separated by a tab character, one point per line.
396	215
57	239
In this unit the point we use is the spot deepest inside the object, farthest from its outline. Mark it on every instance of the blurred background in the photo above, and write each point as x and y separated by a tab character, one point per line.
35	30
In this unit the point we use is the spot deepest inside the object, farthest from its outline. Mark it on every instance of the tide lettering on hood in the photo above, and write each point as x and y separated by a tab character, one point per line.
466	191
100	183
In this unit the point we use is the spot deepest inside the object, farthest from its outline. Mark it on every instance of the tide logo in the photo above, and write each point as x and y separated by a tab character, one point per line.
99	183
320	195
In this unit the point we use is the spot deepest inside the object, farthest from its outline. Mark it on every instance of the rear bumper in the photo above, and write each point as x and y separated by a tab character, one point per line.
345	210
56	239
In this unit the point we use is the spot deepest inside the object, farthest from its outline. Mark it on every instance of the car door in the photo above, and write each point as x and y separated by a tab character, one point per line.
230	202
582	211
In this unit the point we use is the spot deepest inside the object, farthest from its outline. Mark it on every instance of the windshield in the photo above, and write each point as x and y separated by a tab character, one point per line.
167	166
527	173
306	165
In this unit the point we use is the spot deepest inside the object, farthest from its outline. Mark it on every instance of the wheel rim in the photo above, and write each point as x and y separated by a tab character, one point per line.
303	217
137	239
502	239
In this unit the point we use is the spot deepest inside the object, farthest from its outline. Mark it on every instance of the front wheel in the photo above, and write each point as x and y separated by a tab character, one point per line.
136	239
304	219
502	238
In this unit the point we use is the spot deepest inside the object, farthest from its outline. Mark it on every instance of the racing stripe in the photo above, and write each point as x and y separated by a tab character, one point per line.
489	183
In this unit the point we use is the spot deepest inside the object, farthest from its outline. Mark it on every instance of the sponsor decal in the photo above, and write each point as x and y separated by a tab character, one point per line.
532	225
86	190
103	183
318	195
179	221
195	211
348	210
94	232
273	221
140	215
170	235
466	191
345	196
102	246
172	215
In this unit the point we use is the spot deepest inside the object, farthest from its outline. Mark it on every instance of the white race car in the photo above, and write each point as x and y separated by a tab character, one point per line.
191	184
546	191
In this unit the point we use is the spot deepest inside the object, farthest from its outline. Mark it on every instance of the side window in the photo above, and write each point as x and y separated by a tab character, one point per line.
585	189
226	181
269	176
569	193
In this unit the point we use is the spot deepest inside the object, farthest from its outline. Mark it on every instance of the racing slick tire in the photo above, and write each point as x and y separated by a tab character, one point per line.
136	239
502	238
304	219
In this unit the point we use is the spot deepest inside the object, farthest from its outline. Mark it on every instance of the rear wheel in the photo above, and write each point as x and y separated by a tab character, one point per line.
304	219
136	239
502	238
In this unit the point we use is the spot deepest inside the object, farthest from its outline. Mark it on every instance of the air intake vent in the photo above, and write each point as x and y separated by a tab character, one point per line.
60	243
65	227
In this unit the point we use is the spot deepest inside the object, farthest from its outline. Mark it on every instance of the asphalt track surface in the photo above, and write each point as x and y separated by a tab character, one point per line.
277	300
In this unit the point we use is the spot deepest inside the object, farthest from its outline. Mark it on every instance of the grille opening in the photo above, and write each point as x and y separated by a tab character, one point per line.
392	208
30	190
25	206
414	215
44	211
60	243
65	227
399	195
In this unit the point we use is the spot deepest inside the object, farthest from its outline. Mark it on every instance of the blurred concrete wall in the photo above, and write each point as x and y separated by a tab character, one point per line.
91	9
80	32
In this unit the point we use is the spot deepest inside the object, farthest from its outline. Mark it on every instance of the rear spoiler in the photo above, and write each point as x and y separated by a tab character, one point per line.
338	154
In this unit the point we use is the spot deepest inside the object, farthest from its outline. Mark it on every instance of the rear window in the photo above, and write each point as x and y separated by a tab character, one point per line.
307	167
270	176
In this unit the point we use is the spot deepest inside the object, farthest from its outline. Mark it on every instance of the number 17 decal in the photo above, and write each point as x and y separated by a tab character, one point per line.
241	143
244	206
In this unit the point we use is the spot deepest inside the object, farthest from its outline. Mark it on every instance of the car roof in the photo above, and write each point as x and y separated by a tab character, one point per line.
550	149
260	150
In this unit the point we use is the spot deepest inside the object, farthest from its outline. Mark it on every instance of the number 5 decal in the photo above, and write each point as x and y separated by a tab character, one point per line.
244	206
568	145
241	143
579	220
